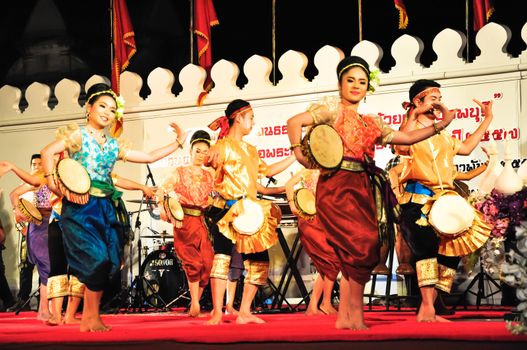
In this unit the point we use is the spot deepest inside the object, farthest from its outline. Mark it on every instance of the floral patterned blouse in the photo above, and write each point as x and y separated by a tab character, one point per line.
359	133
191	184
98	159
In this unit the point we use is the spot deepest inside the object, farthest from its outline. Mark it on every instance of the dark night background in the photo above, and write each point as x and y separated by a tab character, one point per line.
47	40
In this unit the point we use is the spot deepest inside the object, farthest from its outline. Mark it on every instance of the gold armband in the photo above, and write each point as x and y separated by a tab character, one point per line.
294	145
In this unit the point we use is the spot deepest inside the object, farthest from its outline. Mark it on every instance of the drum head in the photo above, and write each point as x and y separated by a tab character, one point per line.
73	175
163	280
451	214
326	146
251	219
305	201
175	208
27	208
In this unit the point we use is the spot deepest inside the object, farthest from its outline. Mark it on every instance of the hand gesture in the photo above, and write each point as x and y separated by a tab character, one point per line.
486	108
181	135
5	167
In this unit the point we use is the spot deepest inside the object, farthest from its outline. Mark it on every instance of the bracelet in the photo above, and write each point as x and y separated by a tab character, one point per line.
294	145
436	128
48	174
179	143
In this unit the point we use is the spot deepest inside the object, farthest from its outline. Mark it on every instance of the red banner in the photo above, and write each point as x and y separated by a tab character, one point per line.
204	19
403	16
123	42
483	9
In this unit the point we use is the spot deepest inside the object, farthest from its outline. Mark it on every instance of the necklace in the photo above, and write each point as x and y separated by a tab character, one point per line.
424	126
96	134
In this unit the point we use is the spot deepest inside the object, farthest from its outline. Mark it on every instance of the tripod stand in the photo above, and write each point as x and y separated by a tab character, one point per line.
480	294
133	298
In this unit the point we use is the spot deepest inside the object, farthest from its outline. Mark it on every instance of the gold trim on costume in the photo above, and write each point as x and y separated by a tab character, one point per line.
257	272
260	241
76	287
467	242
426	270
220	266
446	278
57	286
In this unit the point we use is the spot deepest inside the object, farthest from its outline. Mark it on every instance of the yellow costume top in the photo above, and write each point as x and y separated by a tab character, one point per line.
238	170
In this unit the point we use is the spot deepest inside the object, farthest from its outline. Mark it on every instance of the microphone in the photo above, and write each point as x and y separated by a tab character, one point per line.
272	180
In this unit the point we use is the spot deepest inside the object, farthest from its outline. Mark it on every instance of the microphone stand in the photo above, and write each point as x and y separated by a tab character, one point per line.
135	284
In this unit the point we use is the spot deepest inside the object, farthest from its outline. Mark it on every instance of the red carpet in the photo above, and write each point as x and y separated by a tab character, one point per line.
468	329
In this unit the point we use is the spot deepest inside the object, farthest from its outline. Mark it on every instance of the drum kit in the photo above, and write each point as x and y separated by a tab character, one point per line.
161	282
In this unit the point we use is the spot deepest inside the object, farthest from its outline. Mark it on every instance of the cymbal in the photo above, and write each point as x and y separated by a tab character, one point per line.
145	201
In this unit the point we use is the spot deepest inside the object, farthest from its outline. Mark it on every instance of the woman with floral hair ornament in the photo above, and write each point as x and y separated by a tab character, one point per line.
357	194
93	247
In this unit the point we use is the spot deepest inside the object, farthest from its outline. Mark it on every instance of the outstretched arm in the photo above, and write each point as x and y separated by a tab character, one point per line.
150	157
280	166
6	167
128	184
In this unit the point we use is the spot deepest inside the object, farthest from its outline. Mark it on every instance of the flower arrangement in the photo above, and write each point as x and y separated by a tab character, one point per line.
374	80
514	273
502	211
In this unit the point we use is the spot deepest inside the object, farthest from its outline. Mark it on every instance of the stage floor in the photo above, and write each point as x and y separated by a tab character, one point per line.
483	329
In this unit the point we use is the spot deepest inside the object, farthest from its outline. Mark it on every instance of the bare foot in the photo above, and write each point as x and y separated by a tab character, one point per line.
442	319
328	309
71	320
426	314
54	321
93	325
312	312
215	319
43	316
348	324
230	310
244	318
194	310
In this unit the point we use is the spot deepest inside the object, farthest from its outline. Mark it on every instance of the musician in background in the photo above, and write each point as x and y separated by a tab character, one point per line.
5	291
314	241
429	172
237	169
192	185
25	277
90	231
37	234
345	199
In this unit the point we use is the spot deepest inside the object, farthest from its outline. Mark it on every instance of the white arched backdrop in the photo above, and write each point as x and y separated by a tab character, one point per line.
494	74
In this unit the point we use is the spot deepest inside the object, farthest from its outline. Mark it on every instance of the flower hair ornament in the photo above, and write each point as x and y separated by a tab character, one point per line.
116	129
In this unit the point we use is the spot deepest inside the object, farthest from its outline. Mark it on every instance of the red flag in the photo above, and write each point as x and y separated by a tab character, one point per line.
483	9
204	19
403	16
123	42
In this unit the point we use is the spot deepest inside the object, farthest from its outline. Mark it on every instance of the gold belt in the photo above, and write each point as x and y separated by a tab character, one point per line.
192	211
351	165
